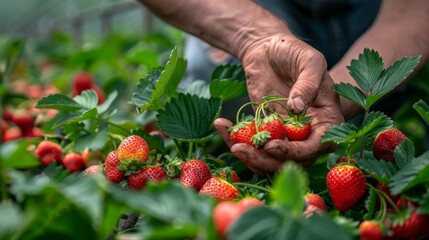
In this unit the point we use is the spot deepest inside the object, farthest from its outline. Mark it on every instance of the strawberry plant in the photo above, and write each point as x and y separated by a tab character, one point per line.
146	162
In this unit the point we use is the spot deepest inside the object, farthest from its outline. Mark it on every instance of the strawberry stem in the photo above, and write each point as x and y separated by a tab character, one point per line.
362	156
243	184
237	116
179	147
190	149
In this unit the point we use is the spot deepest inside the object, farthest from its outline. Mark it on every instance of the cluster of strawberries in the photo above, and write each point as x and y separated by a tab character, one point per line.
347	185
130	163
48	152
268	125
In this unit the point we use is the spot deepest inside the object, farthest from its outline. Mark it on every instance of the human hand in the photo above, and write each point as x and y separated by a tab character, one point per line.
287	67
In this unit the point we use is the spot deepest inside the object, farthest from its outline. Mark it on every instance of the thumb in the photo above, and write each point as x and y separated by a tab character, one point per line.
306	86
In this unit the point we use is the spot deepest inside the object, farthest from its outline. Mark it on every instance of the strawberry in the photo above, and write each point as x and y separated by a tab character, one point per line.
345	159
12	133
73	162
243	132
297	127
24	121
92	157
228	174
274	126
227	212
48	151
370	230
82	81
346	185
385	143
249	202
315	203
224	214
92	170
219	189
414	227
137	181
194	174
111	165
133	148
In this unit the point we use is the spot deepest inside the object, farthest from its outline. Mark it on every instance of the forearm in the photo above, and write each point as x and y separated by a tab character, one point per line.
401	29
231	25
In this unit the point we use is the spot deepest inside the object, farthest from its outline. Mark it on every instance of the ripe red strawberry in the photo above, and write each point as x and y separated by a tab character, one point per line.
73	162
24	121
385	143
219	189
82	81
243	132
346	185
133	148
274	125
137	181
92	170
194	174
370	230
315	203
224	214
249	202
298	127
227	212
111	165
48	151
412	228
12	133
228	174
344	159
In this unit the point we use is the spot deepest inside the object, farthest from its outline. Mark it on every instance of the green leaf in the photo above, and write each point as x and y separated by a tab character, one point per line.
351	92
197	87
156	201
371	204
228	89
343	133
14	154
379	169
93	141
422	109
371	99
143	94
424	204
58	101
229	71
367	69
374	123
395	74
404	153
289	188
189	117
411	175
107	104
153	88
88	99
322	227
11	220
88	114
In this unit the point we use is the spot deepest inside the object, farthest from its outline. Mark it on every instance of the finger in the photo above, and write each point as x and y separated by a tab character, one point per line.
256	159
222	125
307	84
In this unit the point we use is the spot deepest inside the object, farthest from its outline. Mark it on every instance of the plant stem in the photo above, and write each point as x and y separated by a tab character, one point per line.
190	149
243	184
180	150
3	183
119	127
362	148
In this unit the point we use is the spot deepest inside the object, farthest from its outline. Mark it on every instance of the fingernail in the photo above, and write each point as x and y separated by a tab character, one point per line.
241	155
298	104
